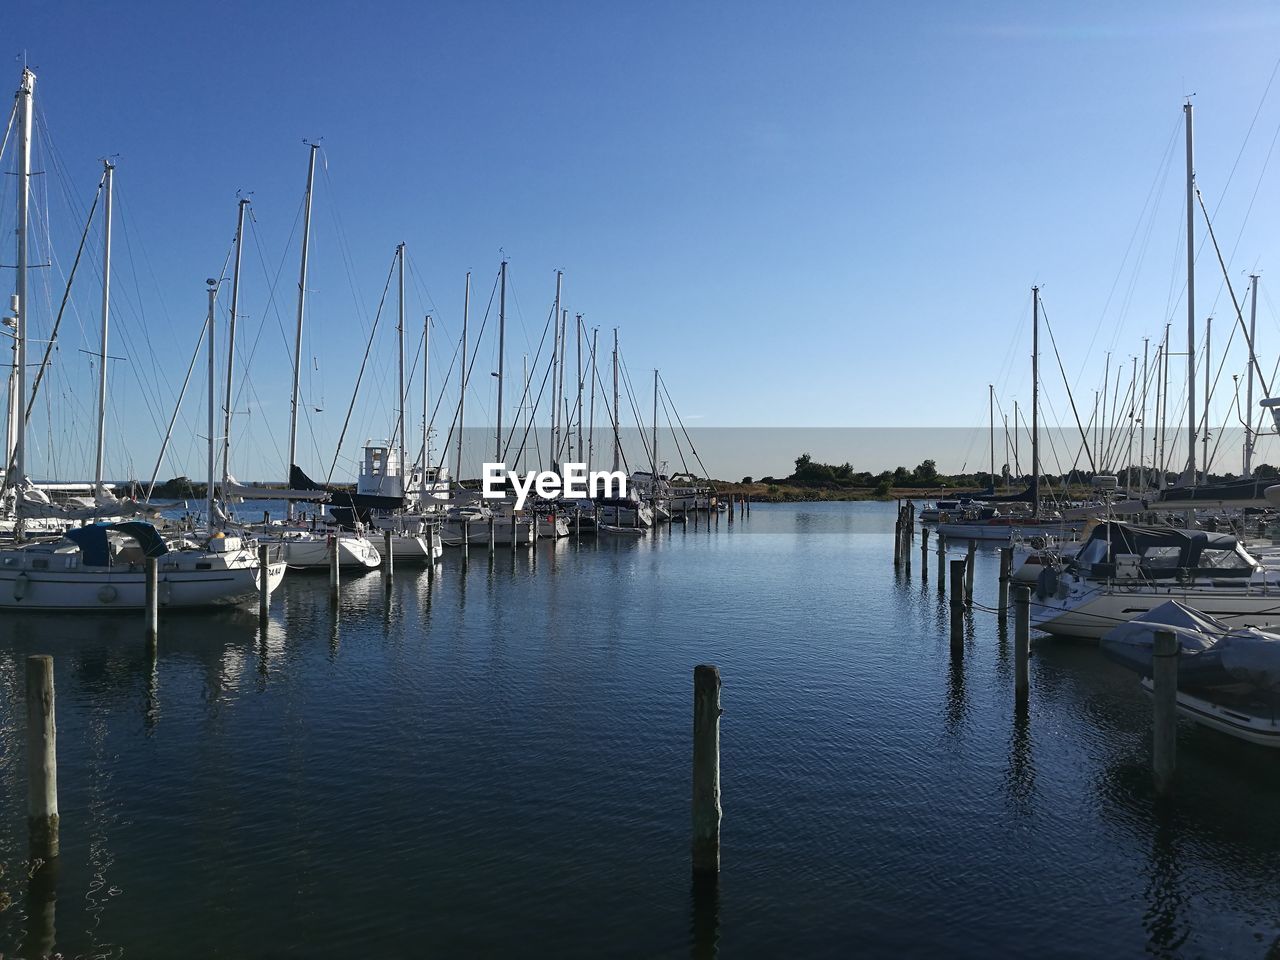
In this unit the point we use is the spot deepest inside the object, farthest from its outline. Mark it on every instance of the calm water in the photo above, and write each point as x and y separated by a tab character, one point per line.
498	764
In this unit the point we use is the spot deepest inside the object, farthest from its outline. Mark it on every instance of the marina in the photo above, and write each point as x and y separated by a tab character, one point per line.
376	578
505	748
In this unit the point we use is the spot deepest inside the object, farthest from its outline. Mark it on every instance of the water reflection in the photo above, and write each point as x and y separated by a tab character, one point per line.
41	909
1165	919
704	917
1020	776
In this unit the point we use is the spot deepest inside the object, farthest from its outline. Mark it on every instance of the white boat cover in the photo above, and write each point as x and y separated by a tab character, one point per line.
232	487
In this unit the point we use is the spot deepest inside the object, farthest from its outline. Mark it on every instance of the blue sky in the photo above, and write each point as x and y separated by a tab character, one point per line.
824	214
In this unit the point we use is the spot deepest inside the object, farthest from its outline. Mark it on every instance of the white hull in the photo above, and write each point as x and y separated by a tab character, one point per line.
125	589
1263	731
1004	533
411	549
477	532
1094	611
312	551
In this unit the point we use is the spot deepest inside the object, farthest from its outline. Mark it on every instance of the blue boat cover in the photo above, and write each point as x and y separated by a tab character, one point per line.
94	549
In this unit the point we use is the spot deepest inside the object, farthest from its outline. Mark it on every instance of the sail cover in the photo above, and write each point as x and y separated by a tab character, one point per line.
341	498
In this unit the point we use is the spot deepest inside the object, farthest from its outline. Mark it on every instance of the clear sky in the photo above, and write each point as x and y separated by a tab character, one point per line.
807	215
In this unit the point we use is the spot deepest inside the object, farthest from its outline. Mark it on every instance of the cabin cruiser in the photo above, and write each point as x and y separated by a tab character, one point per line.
993	523
103	567
1123	570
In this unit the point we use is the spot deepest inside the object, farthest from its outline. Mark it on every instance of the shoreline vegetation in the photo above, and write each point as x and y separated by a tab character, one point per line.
811	481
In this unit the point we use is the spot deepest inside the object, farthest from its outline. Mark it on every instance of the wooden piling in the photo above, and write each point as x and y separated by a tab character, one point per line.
732	500
1006	574
748	504
706	769
466	540
334	575
1021	643
942	563
924	553
897	543
42	759
153	601
388	560
968	572
957	603
1164	687
493	531
264	581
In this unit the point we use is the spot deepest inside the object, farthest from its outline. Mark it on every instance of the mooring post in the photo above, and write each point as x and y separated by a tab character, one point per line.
942	563
577	523
706	769
466	539
492	531
1164	688
264	580
333	568
153	601
42	759
924	553
388	561
968	572
957	603
748	504
732	504
1021	643
897	542
1006	574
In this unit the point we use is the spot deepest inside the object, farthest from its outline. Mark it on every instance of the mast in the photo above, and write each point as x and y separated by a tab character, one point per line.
991	420
462	391
1104	442
208	499
426	383
564	416
231	337
591	423
1035	400
401	400
1191	301
25	96
1164	410
556	347
1142	420
302	302
1248	403
1133	399
526	408
1208	335
1017	460
502	349
654	451
617	440
108	169
578	408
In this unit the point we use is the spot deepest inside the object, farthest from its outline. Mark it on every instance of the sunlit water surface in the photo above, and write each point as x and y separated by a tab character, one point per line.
497	762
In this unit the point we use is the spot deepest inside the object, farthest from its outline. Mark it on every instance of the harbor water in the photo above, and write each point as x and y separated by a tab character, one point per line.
496	762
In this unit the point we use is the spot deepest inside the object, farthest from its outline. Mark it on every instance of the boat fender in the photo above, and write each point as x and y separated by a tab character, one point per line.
20	586
107	594
1047	583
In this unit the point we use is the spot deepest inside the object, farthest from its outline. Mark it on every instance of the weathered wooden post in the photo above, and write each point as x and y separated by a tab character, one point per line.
957	603
897	542
264	581
1021	643
968	572
924	553
42	759
577	523
389	560
1164	688
732	505
153	602
748	504
1006	574
333	568
706	769
492	531
942	563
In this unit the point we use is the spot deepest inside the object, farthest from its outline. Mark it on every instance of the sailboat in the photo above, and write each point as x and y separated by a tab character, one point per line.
103	566
305	546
